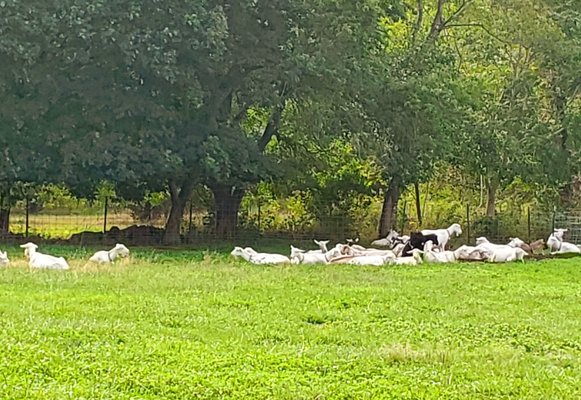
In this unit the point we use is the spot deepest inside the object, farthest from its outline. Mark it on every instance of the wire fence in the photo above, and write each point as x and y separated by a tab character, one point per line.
199	225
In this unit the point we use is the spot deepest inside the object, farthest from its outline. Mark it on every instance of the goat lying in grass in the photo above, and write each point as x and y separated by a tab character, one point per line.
4	261
42	261
414	259
376	260
299	256
559	247
471	253
432	256
386	241
500	252
105	257
529	248
259	258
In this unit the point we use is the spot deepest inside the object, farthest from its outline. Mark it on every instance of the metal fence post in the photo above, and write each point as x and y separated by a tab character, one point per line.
529	222
105	215
259	215
191	212
27	223
403	216
468	223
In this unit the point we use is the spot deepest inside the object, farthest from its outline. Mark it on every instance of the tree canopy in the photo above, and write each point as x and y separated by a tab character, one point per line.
170	95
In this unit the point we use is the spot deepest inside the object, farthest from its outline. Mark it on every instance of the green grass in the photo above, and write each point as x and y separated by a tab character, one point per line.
185	325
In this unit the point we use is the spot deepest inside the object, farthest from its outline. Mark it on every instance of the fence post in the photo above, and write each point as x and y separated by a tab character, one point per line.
105	215
468	222
259	216
554	216
405	205
27	224
529	222
191	212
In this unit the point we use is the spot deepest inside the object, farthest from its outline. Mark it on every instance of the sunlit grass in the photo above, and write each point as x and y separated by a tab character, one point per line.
177	325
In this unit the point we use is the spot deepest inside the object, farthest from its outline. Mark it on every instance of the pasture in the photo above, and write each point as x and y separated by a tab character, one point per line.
192	324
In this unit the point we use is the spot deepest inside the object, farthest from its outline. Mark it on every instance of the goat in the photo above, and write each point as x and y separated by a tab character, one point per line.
254	257
536	245
507	254
42	261
437	256
4	261
322	245
353	244
471	253
417	241
414	259
559	247
386	241
376	260
299	256
105	257
443	235
559	233
516	242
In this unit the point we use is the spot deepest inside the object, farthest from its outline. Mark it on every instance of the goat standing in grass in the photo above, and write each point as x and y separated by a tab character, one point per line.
444	235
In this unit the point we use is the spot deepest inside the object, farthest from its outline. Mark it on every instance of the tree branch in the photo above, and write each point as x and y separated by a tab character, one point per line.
274	121
457	13
437	22
419	21
484	28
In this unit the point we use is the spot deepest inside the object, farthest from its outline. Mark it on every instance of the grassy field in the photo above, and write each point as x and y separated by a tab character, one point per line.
194	325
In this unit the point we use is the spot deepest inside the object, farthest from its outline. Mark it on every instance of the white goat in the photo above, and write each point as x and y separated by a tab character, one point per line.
364	259
559	247
415	259
507	254
42	261
444	235
500	252
516	242
386	241
4	261
559	233
484	243
298	256
104	257
352	244
398	249
322	245
471	253
254	257
432	256
372	260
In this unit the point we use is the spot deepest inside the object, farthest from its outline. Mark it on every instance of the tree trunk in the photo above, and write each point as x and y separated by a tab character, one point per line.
491	186
179	198
227	201
4	214
4	221
388	211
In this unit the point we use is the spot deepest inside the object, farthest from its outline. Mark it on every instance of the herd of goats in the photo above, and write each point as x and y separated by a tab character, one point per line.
428	245
38	260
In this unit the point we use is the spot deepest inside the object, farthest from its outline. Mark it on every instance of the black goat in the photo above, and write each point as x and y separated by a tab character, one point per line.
417	241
